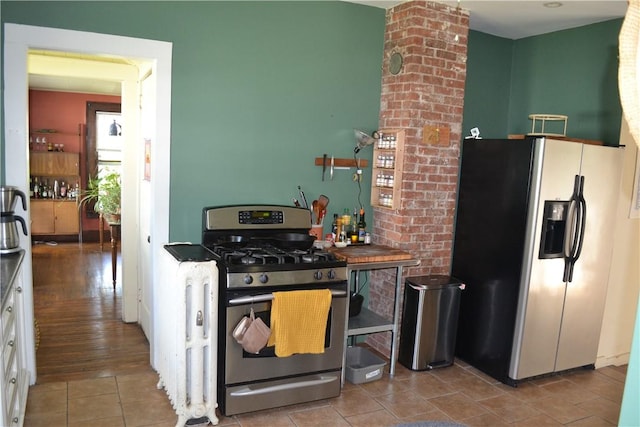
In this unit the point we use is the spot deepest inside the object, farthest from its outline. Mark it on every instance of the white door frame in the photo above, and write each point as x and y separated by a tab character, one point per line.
147	119
18	39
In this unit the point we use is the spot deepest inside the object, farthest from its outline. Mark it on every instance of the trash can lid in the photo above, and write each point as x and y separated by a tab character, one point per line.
437	281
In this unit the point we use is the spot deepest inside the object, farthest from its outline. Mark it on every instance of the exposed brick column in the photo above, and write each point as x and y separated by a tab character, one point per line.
427	94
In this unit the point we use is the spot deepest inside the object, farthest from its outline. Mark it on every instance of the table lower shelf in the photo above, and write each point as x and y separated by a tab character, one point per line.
368	322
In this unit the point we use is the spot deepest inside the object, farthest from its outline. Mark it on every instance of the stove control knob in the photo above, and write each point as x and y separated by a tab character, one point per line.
317	275
331	274
264	278
248	279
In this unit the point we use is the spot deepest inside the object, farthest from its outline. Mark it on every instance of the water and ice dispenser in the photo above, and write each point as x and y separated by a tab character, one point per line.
554	221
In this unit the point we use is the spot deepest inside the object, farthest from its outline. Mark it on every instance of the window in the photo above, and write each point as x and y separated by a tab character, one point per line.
109	142
99	118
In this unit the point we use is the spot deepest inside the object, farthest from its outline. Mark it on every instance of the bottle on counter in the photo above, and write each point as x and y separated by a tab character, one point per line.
362	225
354	227
334	227
346	226
346	217
63	190
36	188
340	233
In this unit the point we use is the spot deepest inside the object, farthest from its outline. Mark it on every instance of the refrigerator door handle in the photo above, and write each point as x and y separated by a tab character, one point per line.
582	218
574	234
571	231
569	239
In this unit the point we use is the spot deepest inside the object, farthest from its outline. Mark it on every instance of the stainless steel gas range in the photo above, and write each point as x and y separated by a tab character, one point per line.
262	249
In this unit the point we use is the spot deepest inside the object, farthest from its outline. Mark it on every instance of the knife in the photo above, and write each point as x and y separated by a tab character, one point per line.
332	165
303	199
324	165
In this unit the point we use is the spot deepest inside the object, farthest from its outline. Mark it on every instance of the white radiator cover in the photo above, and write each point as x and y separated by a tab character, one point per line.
186	337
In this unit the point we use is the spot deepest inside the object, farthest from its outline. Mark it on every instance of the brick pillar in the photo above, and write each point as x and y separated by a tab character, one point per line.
425	99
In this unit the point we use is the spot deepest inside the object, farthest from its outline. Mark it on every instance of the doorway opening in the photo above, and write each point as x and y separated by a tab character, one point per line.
18	40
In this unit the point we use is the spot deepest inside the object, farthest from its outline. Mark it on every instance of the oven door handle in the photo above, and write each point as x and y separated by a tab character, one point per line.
269	297
247	391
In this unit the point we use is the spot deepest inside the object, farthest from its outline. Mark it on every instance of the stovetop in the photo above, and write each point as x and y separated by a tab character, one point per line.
267	245
270	266
268	254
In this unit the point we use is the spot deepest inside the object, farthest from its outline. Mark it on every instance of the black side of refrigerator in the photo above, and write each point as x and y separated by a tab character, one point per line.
491	218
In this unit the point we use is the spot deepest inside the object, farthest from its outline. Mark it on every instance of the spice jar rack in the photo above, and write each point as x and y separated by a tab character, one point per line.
386	177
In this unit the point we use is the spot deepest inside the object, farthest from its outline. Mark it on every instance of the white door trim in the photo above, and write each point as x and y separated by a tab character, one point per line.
18	39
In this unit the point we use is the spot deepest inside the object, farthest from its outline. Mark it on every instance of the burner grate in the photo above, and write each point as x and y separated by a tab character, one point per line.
267	254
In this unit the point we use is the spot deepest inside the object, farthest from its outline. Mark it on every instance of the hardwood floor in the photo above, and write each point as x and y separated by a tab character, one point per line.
81	332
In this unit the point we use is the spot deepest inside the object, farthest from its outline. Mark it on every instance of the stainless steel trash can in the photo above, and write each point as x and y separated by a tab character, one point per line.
429	321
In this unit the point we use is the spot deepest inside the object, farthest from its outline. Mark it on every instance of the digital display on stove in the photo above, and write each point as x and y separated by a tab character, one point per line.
260	217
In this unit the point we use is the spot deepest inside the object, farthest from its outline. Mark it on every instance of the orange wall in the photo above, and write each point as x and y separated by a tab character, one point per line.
64	112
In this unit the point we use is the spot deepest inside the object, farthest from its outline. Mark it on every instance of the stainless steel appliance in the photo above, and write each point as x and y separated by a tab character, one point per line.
262	249
533	244
9	235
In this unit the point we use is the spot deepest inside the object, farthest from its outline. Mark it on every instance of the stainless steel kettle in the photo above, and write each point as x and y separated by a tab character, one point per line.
9	236
8	198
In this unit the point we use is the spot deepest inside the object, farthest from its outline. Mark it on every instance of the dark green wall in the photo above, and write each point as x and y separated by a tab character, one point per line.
259	90
571	72
487	89
262	88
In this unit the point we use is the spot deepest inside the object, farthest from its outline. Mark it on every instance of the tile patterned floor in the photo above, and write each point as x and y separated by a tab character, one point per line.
458	393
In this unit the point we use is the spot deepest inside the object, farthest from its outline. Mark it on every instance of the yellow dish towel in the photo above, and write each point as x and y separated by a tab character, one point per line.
299	321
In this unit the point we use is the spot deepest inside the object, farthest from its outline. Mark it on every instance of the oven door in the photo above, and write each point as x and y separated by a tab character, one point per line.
243	367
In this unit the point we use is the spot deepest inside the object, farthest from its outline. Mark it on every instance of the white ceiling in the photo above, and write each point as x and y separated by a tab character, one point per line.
71	84
51	70
509	19
515	19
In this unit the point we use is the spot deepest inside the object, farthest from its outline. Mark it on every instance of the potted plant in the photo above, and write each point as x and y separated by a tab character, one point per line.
104	193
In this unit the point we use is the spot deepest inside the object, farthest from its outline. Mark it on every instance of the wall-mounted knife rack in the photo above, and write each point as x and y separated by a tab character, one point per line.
342	163
330	163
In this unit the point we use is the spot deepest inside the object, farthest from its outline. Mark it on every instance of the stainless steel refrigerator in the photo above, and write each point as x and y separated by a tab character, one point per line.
533	244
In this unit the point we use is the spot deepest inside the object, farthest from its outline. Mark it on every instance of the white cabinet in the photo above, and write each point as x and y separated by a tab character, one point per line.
15	383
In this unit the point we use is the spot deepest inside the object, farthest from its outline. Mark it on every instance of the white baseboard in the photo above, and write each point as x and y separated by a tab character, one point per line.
617	360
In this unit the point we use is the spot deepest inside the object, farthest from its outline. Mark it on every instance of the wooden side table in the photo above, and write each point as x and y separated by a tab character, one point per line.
115	236
101	233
